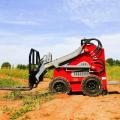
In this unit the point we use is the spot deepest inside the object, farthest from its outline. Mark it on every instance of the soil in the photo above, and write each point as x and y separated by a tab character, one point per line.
73	107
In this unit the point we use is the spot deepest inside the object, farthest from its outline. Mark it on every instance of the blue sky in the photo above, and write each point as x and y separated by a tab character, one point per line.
56	26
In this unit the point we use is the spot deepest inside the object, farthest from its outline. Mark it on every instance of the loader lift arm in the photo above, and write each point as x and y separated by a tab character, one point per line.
46	62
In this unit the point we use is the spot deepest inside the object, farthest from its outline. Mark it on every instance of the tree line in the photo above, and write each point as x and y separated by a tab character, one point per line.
19	66
113	62
110	61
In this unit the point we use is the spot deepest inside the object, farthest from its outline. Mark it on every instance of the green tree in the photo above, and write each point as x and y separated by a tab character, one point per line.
110	61
117	62
21	66
6	65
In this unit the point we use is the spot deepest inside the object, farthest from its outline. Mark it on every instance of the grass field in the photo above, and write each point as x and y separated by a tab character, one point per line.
113	73
22	74
9	75
16	77
10	83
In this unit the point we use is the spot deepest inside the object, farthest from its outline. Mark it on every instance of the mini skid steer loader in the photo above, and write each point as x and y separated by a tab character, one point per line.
80	71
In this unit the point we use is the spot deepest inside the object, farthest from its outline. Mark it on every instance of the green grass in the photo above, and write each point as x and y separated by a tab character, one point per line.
113	73
21	112
6	82
8	76
23	74
49	74
14	95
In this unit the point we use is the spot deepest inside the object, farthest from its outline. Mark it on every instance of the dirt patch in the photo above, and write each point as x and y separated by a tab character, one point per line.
72	107
61	96
79	107
4	116
43	85
7	105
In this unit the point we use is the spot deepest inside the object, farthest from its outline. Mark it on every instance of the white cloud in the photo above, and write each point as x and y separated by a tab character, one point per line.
21	22
111	44
93	12
14	54
67	45
18	53
32	40
6	33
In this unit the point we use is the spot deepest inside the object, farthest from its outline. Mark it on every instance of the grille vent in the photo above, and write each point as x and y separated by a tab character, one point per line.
80	74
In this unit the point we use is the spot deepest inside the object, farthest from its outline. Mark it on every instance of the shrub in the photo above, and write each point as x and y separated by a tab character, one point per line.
113	62
110	61
23	67
6	65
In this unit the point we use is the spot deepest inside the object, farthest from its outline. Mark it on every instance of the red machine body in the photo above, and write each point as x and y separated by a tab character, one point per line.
74	76
83	70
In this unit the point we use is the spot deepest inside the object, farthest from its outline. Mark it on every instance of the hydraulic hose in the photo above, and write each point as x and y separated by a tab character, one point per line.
95	53
99	62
